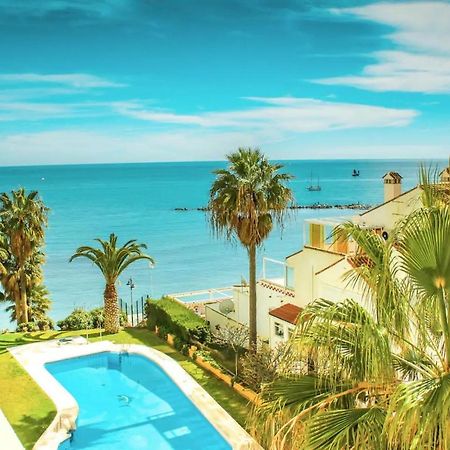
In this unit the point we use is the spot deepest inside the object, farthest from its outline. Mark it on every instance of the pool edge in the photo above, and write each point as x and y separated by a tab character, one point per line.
33	358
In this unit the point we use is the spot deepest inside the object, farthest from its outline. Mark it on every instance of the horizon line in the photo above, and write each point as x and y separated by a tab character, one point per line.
12	166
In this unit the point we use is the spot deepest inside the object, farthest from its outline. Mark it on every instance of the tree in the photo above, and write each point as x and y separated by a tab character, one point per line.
234	337
112	261
381	377
246	199
23	219
38	304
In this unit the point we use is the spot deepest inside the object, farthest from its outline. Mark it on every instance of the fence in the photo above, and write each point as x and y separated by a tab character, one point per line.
134	310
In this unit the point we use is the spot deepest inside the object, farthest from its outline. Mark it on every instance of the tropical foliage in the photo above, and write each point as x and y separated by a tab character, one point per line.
23	219
112	260
246	200
81	319
377	376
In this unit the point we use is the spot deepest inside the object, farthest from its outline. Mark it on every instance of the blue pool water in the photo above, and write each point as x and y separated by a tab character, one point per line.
128	402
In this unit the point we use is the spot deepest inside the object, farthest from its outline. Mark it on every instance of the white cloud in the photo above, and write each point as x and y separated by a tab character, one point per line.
286	114
75	80
39	111
69	146
421	59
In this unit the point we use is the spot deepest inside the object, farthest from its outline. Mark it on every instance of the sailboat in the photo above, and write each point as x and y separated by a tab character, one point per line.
314	187
355	173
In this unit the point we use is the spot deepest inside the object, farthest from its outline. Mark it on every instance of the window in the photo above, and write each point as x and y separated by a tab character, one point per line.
290	277
279	329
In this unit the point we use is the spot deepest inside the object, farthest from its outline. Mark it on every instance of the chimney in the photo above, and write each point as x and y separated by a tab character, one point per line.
445	174
392	185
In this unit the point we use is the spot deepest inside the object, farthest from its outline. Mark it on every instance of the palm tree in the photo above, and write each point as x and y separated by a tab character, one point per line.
38	304
23	218
246	199
112	261
380	377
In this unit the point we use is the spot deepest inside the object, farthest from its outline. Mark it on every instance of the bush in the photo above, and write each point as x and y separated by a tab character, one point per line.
78	319
263	366
162	332
44	324
98	318
177	320
27	327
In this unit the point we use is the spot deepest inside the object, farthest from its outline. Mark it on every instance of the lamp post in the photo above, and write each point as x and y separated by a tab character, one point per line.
131	284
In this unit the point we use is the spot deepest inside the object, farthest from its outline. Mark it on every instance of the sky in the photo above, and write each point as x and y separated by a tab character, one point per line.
92	81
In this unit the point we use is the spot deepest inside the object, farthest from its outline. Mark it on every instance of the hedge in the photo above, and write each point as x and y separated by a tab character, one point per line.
176	319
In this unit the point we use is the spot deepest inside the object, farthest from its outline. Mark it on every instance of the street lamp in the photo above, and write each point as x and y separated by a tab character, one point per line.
132	286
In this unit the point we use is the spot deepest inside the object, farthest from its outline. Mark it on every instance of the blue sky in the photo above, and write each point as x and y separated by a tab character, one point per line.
86	81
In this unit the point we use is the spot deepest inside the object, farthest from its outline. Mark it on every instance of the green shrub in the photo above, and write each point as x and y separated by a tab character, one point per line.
78	319
98	318
27	327
162	332
45	324
177	320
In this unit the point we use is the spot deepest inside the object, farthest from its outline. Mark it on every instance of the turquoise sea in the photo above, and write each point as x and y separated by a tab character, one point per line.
137	201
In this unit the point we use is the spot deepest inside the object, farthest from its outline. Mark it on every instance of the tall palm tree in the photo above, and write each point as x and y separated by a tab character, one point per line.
380	377
112	261
23	219
246	199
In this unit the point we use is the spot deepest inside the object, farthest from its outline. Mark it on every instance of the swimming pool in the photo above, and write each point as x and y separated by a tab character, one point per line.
127	402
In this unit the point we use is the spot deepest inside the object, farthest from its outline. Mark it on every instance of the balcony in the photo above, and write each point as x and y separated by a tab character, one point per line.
319	234
278	276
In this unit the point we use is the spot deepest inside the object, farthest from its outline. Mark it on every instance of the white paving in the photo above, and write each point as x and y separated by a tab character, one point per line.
9	439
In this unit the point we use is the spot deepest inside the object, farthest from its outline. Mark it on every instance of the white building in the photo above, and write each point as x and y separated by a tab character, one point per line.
318	269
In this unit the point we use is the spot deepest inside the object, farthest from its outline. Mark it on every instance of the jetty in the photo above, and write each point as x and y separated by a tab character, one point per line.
355	206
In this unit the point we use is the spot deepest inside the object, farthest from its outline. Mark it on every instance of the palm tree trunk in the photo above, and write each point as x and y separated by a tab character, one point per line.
111	309
443	306
252	297
22	306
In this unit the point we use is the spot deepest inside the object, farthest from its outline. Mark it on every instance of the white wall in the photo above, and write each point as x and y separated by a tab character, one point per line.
274	339
306	263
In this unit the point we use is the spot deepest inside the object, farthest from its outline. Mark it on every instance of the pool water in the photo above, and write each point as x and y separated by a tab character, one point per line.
128	402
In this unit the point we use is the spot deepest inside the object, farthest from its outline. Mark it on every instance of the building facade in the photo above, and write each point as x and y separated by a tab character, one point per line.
319	269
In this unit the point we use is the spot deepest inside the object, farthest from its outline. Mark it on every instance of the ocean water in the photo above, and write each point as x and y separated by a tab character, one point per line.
137	201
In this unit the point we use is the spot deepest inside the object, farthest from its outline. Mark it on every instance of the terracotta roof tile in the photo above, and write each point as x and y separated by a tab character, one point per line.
287	312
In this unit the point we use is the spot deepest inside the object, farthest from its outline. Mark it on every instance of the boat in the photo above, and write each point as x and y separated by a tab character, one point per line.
314	187
355	173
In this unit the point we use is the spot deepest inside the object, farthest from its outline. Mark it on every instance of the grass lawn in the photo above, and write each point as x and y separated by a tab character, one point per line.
30	411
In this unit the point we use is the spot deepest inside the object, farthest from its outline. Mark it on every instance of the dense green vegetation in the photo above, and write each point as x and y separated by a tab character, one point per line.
81	319
174	318
30	411
112	260
23	219
246	199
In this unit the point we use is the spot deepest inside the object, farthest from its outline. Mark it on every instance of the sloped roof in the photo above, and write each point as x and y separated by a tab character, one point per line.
360	260
394	175
445	171
287	312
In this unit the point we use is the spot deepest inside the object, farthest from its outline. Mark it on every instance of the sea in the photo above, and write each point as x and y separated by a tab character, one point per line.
139	201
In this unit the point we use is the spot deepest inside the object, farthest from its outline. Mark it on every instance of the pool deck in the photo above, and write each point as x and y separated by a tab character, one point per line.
9	439
34	356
